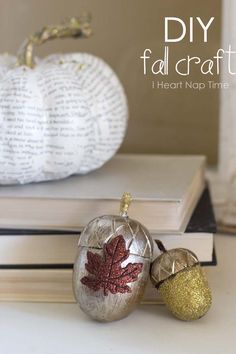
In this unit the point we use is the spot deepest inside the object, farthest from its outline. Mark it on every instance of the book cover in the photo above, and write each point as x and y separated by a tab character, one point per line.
55	248
160	201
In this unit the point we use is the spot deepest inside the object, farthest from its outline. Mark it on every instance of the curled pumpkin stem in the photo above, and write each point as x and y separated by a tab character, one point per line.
74	28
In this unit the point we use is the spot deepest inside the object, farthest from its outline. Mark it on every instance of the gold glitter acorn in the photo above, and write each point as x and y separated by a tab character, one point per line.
182	283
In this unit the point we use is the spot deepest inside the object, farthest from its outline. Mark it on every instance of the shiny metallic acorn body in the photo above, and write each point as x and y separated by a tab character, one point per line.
99	232
182	284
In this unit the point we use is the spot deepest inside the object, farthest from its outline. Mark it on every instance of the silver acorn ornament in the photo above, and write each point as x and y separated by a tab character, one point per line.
112	266
181	282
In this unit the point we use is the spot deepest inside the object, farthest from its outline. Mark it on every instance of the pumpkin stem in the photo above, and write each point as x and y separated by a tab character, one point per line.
75	27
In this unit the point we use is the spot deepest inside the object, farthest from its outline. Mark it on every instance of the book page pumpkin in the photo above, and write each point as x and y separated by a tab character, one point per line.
62	115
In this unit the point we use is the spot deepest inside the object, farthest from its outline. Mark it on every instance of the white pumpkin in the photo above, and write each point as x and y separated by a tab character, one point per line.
65	116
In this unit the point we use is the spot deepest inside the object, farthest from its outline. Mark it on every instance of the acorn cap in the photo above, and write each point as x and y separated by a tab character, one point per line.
104	228
170	263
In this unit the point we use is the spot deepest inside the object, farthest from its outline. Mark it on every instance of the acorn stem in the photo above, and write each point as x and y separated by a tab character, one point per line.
125	203
160	246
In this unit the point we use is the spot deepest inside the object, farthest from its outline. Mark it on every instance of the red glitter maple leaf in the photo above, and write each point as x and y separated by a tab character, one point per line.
106	272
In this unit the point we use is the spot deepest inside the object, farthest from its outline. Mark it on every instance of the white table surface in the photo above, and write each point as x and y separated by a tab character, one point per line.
28	328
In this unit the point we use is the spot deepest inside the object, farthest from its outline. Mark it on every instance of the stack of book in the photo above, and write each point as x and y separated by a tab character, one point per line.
41	223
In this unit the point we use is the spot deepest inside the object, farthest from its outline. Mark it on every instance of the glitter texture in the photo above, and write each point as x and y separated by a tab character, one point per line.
106	272
187	294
